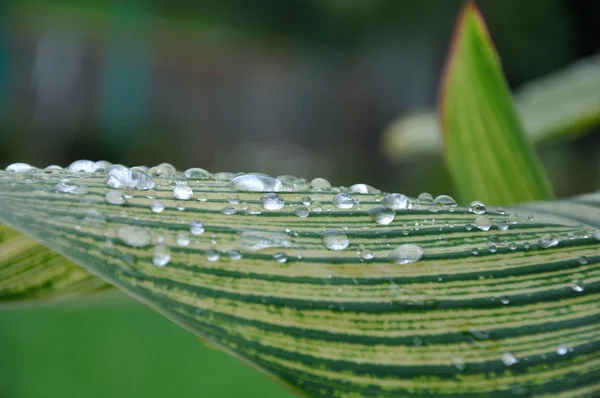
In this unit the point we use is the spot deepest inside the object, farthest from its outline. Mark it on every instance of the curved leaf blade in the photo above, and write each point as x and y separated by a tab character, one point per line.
487	151
335	323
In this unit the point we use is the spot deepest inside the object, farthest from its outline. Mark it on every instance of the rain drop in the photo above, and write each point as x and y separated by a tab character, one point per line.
405	254
182	192
382	215
134	236
343	201
115	197
272	201
182	239
212	255
129	179
19	168
83	166
549	240
335	240
197	228
320	183
196	174
483	223
157	206
301	212
363	189
74	188
477	207
161	255
397	201
509	359
280	257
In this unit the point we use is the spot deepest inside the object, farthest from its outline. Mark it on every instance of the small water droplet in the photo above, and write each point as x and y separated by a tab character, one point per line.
129	179
382	215
233	199
196	173
397	201
425	199
280	257
134	236
228	211
504	300
335	240
512	246
272	201
256	183
258	240
577	285
212	255
582	260
405	254
115	197
82	166
53	169
165	170
182	192
509	359
161	255
74	188
197	228
363	189
234	254
343	201
483	223
366	254
477	207
306	201
301	212
157	206
182	239
445	202
562	349
549	240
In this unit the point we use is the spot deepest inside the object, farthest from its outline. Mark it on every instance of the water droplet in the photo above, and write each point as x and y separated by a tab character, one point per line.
320	183
509	359
223	176
20	168
74	188
577	285
129	179
405	254
212	255
512	246
182	192
161	255
445	202
201	197
82	166
115	197
306	201
549	240
182	239
256	183
234	254
562	349
134	236
258	240
196	173
425	199
397	201
197	228
483	223
335	240
502	225
366	254
102	165
157	206
477	207
228	211
53	169
233	199
162	170
582	260
343	201
363	189
504	300
272	201
280	257
382	215
301	212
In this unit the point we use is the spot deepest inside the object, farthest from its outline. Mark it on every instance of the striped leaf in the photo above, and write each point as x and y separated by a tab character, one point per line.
499	303
487	151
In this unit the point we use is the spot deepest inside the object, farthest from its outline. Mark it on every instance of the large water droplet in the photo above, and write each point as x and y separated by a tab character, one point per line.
363	189
483	223
397	201
20	168
115	197
382	215
258	240
320	183
335	240
272	201
477	207
256	183
82	166
165	170
129	179
425	199
182	192
74	188
134	236
161	255
405	254
445	201
197	228
196	173
343	201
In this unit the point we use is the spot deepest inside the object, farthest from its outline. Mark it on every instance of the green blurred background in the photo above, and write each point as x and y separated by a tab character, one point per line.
302	87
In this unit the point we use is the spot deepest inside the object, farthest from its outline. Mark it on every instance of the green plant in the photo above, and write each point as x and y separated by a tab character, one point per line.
338	291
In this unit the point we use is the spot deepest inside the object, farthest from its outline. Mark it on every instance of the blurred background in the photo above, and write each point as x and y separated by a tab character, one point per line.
301	87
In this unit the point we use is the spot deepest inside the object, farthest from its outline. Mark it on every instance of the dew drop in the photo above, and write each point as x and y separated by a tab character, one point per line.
115	197
301	212
233	199
234	254
306	201
74	188
258	240
504	300
196	173
272	201
19	168
509	359
212	255
157	206
197	228
134	236
256	183
228	211
335	240
562	349
280	257
53	169
182	239
549	240
425	199
405	254
382	215
129	179
162	170
182	192
444	201
366	254
320	183
582	260
343	201
577	285
161	255
397	201
477	207
82	166
363	189
483	223
512	246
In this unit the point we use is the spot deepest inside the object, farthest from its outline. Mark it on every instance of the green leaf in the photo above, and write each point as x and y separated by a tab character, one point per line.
499	303
488	154
29	271
562	105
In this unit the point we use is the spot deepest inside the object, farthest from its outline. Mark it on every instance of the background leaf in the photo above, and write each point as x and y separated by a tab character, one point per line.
498	303
562	105
488	154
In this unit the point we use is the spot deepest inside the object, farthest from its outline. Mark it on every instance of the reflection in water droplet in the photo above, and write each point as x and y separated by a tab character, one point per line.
397	201
335	240
405	254
157	206
444	201
115	197
425	199
483	223
477	207
134	236
363	189
197	228
272	201
382	215
343	201
161	255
